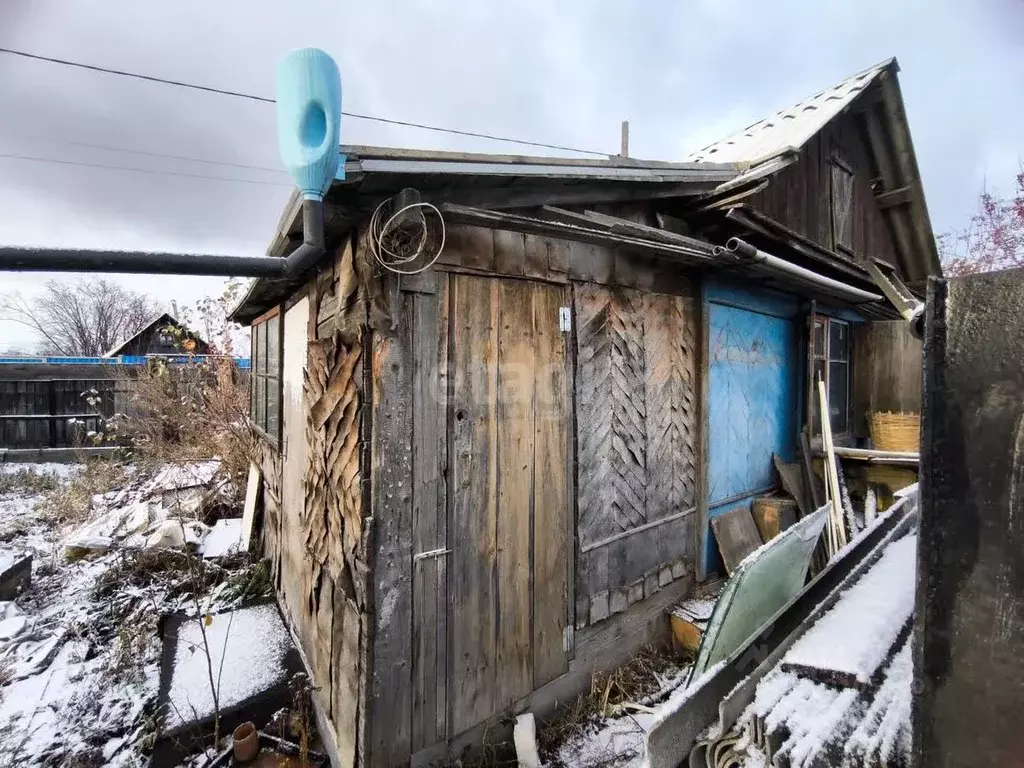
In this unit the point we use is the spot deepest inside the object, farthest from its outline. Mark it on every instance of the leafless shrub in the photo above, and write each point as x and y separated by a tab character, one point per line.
188	412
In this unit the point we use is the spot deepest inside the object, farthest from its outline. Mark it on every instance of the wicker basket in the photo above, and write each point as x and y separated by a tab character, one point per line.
896	431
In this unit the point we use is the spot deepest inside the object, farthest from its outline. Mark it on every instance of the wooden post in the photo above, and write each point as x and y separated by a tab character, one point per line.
52	421
624	152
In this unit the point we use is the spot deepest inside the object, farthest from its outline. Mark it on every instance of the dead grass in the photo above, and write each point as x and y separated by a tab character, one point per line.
27	480
638	680
180	572
71	503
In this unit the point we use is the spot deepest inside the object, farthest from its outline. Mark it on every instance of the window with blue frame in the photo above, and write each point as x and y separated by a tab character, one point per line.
831	358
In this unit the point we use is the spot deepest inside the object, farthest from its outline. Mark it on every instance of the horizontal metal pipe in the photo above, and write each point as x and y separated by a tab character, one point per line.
748	252
40	259
137	262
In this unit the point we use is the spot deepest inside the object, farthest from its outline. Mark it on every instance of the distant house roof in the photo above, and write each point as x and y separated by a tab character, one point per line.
162	320
768	145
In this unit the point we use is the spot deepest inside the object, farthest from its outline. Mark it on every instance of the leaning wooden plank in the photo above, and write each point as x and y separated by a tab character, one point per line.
737	536
252	495
830	466
551	548
793	484
472	563
517	363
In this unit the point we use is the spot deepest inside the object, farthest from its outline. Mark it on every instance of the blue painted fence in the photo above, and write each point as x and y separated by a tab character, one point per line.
241	362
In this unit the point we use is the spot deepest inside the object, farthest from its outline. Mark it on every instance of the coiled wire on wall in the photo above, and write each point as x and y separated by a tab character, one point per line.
401	233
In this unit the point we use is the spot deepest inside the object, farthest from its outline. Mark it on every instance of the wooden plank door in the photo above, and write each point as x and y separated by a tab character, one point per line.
508	493
752	407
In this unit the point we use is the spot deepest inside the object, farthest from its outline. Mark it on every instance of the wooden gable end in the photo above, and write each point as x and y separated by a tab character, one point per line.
827	195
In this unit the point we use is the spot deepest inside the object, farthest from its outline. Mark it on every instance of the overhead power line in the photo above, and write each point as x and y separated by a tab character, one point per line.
14	156
266	100
144	153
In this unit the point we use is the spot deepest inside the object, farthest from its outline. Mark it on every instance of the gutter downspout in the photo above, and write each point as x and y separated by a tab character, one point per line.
747	253
40	259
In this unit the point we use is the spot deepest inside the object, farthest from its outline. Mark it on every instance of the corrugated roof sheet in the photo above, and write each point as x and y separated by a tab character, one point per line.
790	128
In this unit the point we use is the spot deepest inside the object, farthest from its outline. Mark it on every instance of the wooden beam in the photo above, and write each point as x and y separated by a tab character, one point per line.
619	226
479	217
768	227
889	198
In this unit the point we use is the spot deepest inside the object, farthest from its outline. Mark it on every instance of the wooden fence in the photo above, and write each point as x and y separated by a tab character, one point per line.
55	413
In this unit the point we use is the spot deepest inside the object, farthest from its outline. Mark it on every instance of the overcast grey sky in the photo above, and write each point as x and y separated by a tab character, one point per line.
683	73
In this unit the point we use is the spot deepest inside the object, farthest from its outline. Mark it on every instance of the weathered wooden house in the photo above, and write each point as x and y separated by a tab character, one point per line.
485	480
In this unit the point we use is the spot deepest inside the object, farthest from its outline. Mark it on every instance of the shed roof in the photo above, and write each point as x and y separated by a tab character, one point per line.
788	129
733	165
768	145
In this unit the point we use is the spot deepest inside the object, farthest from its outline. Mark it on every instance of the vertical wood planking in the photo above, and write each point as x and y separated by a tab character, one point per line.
509	252
429	416
391	702
515	449
442	436
551	503
637	404
472	641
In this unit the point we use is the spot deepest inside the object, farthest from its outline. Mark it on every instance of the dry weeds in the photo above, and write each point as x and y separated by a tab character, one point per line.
635	682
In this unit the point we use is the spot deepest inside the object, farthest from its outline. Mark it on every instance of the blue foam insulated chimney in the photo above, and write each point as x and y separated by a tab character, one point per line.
309	119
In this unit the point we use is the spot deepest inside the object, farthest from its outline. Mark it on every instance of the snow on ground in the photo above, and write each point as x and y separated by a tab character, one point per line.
78	649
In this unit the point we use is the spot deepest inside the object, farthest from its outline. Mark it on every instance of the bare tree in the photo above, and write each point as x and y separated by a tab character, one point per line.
80	318
993	238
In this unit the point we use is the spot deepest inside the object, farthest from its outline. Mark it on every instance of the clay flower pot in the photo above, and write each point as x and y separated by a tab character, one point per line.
245	742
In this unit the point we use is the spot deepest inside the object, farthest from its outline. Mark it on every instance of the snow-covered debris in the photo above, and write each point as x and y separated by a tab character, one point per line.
884	732
160	511
225	538
247	650
855	636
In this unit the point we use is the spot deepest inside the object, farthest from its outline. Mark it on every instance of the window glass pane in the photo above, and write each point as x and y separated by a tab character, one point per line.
261	402
273	345
839	397
257	348
254	333
819	338
252	394
838	341
273	407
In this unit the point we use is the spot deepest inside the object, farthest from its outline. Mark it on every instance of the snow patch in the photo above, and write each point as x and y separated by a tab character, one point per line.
246	650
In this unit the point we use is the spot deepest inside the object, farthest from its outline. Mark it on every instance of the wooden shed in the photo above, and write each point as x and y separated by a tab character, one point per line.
488	479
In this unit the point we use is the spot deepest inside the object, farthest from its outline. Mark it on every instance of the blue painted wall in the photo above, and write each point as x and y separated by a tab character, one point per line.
753	393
